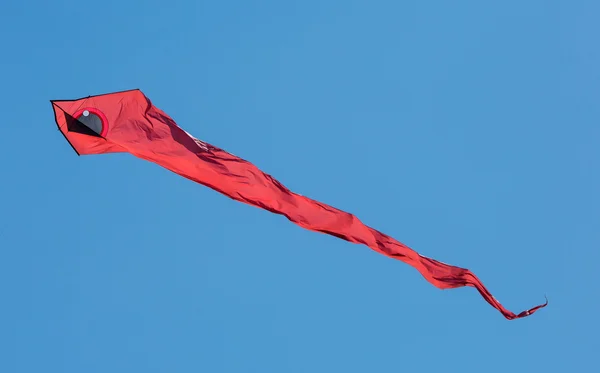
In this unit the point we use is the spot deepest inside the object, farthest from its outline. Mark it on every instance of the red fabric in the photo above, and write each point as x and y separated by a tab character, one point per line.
134	125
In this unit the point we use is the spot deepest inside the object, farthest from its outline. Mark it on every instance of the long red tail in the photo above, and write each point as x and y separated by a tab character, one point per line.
242	181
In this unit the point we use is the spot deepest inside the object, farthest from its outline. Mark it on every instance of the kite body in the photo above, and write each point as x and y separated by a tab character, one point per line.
128	122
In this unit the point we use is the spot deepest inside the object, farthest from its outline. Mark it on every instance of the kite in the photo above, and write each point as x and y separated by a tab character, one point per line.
128	122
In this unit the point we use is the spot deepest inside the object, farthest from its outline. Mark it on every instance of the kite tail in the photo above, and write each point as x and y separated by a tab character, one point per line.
348	227
460	277
244	182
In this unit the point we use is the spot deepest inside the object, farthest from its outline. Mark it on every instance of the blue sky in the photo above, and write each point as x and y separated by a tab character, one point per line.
468	131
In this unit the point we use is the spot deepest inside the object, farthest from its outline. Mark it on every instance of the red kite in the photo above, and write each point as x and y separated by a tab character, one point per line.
128	122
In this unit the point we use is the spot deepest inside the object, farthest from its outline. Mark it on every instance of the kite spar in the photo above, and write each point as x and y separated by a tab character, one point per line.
128	122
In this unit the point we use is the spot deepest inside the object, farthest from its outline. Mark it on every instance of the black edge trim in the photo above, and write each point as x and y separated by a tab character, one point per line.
58	126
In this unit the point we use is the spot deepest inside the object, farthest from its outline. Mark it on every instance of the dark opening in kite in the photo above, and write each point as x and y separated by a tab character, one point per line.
89	121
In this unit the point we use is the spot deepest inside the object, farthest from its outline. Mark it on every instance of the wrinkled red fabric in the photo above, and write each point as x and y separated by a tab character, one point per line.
132	124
